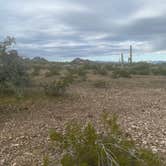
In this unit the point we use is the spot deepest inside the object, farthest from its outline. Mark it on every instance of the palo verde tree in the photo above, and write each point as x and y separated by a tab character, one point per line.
7	43
13	76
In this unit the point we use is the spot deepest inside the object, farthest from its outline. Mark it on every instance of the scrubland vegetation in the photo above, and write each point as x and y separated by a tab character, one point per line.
18	74
83	145
78	144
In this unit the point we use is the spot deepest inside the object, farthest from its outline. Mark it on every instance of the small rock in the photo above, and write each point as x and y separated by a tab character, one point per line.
154	149
14	145
14	164
2	161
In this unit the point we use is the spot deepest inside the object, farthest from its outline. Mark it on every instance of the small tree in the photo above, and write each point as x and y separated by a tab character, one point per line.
7	43
13	76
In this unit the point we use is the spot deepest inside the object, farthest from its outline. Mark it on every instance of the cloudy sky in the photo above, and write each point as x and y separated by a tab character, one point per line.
93	29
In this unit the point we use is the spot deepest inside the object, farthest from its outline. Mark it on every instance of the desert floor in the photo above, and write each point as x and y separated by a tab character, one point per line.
140	103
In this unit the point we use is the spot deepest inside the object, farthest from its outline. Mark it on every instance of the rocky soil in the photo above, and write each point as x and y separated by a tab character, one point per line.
139	102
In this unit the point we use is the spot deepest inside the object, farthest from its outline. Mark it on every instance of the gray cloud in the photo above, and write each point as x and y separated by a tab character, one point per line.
83	28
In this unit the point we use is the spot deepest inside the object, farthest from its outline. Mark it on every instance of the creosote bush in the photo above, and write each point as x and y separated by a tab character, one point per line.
118	73
53	70
159	70
36	71
59	87
13	74
82	73
83	145
100	70
78	73
140	69
56	88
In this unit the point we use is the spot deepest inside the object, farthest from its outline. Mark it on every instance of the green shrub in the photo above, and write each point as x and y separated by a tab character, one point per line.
53	70
82	74
100	70
159	71
45	161
69	78
110	66
6	44
51	73
140	69
78	73
13	75
36	71
83	145
121	73
58	88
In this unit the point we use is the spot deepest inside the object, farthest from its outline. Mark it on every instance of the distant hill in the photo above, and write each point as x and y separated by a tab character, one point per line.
39	60
80	61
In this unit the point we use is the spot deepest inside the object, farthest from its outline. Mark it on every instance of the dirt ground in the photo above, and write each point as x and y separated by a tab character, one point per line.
140	103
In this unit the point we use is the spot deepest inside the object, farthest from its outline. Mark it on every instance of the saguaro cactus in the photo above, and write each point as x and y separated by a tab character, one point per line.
130	59
122	59
131	53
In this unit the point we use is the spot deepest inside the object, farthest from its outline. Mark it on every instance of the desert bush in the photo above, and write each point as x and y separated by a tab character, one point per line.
110	66
100	70
36	70
117	73
82	73
58	88
45	161
87	66
140	69
78	73
101	84
143	68
159	71
72	70
69	78
53	70
83	145
6	44
13	75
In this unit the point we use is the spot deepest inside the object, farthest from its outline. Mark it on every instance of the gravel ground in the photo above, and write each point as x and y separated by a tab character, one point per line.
139	102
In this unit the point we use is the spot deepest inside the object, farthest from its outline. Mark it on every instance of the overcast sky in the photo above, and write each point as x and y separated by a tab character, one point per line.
94	29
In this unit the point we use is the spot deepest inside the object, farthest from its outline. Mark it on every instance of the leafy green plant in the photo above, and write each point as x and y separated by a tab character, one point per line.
84	145
45	161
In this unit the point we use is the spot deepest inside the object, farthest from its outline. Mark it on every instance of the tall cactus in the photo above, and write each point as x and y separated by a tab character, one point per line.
122	59
130	59
131	54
